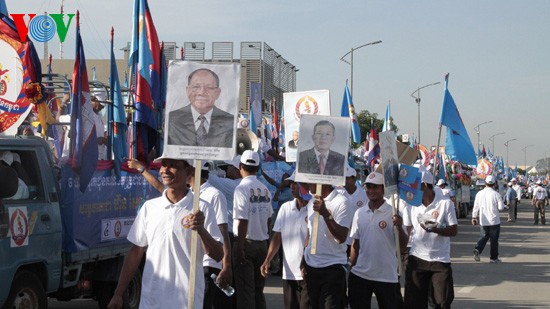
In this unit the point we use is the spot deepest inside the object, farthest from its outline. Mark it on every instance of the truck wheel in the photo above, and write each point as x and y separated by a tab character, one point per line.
133	292
26	292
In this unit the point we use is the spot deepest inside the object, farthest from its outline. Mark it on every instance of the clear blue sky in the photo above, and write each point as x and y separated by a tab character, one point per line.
495	51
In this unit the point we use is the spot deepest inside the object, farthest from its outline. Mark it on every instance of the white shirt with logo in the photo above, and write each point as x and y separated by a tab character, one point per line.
217	200
377	259
252	202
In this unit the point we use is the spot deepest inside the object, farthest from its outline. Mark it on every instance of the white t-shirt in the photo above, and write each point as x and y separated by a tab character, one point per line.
158	226
487	205
377	259
329	251
227	187
100	131
428	246
218	202
540	193
356	200
291	223
252	202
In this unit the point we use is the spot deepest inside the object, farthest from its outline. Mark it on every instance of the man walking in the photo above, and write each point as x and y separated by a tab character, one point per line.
540	198
487	205
511	202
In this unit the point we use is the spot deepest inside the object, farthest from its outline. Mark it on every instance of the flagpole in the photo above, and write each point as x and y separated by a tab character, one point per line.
110	111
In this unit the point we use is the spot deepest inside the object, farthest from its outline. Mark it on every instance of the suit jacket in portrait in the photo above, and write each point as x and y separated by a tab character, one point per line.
333	166
292	144
181	128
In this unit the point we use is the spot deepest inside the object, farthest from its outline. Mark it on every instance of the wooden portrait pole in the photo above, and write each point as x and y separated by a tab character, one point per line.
395	211
194	237
315	227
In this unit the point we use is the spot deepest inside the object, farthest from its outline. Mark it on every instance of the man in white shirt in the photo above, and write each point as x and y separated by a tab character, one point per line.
434	223
357	197
324	271
540	198
163	228
290	231
373	251
251	219
487	205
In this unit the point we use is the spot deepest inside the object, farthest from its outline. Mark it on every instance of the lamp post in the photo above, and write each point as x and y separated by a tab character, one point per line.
417	100
477	131
525	156
351	62
492	139
506	144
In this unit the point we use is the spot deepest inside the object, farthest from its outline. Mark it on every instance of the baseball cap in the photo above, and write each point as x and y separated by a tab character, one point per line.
510	183
250	158
173	157
513	179
375	178
351	172
441	182
427	177
539	182
490	179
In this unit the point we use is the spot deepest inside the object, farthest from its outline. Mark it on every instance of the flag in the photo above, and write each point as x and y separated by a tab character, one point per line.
483	152
409	184
374	147
457	145
84	152
255	106
441	172
349	111
119	127
387	120
145	61
3	7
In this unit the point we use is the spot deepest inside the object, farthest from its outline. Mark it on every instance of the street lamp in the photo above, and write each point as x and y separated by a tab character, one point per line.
525	156
506	144
492	139
477	131
417	100
351	63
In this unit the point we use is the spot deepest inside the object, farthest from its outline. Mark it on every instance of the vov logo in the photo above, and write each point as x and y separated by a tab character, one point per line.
42	28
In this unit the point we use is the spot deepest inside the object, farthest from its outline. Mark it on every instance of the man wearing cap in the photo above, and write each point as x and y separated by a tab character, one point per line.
214	298
434	223
540	198
163	228
487	205
290	231
511	199
373	251
357	197
251	221
324	270
321	159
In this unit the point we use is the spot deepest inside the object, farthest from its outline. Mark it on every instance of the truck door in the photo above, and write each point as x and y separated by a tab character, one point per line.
33	234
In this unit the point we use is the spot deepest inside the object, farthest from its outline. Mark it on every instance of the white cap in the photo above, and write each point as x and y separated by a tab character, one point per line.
250	158
234	162
375	178
513	179
165	156
510	183
441	182
539	182
427	177
350	172
490	179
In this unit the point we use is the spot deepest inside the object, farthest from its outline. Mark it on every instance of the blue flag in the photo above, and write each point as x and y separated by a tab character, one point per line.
409	184
387	119
457	145
349	111
120	146
3	7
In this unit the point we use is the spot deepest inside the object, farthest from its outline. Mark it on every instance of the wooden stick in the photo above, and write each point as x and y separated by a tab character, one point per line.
194	236
315	227
396	232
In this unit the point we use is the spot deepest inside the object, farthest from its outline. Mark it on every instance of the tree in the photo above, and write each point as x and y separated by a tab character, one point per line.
366	120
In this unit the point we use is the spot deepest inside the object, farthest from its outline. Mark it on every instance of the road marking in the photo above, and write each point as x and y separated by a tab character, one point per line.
470	288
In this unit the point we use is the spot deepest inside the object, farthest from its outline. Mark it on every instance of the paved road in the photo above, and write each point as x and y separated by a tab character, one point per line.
521	281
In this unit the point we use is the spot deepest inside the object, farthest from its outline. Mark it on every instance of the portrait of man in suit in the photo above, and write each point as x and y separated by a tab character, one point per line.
201	123
321	159
293	143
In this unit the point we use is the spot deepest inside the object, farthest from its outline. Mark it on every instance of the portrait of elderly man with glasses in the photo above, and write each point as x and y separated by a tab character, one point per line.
321	159
201	123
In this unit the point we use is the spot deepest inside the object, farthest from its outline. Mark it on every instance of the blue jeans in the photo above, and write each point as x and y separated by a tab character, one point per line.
491	232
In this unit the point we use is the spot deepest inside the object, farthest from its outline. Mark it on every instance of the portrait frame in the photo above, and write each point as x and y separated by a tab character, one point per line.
177	101
390	161
339	148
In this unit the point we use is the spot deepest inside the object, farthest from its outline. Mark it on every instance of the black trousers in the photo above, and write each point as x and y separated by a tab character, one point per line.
326	286
295	294
360	293
418	276
214	298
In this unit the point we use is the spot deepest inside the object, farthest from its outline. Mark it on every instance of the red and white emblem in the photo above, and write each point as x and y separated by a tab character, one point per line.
306	105
19	227
382	224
